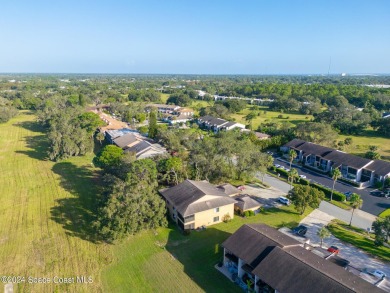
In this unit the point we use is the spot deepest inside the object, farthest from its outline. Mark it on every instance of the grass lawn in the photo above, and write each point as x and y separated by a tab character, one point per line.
164	97
345	233
270	116
385	213
369	137
45	210
167	261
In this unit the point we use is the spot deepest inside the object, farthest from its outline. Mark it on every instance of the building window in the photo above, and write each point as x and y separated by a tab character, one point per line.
216	219
216	210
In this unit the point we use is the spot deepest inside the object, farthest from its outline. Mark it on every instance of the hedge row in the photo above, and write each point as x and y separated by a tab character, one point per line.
336	195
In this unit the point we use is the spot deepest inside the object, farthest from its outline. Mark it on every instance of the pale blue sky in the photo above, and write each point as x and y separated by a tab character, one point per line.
210	37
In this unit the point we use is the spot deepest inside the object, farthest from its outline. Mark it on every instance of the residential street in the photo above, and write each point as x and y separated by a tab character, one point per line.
371	204
360	219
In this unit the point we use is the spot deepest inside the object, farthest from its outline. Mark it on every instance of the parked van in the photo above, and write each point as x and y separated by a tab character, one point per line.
284	200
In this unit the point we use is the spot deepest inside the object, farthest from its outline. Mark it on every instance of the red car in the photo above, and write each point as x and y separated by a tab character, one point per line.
334	249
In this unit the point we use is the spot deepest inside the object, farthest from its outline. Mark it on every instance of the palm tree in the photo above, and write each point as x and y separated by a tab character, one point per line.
292	174
323	233
292	155
356	202
336	174
100	137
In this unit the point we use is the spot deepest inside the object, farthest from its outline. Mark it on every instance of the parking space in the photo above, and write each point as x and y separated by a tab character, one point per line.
359	260
268	197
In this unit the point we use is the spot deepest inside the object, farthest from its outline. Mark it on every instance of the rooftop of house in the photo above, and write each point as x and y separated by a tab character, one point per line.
125	140
184	197
281	262
245	202
173	107
139	148
229	189
262	135
338	157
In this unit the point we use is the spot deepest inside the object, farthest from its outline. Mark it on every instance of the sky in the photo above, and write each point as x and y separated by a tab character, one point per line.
195	37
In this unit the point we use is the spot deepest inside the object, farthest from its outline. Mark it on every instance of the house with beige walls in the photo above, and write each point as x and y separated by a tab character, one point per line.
193	204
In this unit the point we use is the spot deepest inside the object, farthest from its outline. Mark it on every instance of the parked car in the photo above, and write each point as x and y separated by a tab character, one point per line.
376	273
334	249
287	169
302	176
284	200
377	193
348	194
300	230
277	165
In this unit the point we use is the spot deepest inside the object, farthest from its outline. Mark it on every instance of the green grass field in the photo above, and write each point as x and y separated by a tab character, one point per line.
45	210
270	116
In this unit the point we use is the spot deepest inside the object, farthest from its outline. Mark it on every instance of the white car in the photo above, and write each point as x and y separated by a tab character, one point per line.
302	176
377	273
277	165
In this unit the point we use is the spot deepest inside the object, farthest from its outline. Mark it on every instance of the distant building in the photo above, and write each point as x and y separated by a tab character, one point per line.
131	141
162	108
357	170
217	124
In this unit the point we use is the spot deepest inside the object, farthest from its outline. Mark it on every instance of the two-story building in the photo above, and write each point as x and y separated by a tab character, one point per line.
217	124
360	171
193	204
269	261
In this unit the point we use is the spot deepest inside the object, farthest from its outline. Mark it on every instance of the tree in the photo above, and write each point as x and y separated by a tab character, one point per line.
292	155
320	133
109	157
100	137
323	233
90	121
356	202
292	174
336	174
381	230
249	118
152	125
303	196
131	205
171	170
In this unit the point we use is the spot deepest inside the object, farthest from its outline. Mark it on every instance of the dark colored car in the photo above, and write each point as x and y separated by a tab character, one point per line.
300	230
334	249
348	194
377	193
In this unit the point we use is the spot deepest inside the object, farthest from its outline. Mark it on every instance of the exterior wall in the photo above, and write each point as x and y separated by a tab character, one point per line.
206	218
172	212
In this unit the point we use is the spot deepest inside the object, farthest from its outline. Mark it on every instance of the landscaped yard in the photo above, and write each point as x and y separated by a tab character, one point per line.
357	238
167	261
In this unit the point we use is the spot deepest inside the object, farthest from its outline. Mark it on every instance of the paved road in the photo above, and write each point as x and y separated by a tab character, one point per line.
371	204
360	219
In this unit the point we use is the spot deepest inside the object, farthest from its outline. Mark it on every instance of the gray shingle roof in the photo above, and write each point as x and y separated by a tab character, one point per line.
125	140
296	269
139	148
184	195
228	189
245	202
380	167
252	242
282	263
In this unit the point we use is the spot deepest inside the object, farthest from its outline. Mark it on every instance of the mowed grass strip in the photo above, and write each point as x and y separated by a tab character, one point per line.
167	261
45	209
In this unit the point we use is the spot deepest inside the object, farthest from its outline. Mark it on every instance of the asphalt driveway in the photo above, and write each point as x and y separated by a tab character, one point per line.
371	204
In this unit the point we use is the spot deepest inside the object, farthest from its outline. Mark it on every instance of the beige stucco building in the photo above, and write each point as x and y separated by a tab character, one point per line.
193	204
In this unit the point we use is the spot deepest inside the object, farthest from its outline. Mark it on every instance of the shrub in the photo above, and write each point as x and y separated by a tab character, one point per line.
336	195
280	116
251	213
246	214
226	218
